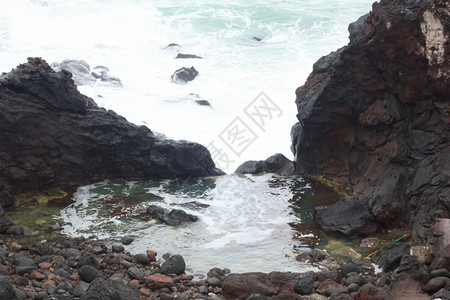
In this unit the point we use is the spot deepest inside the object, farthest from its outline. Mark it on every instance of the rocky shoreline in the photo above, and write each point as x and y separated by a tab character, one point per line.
95	269
373	116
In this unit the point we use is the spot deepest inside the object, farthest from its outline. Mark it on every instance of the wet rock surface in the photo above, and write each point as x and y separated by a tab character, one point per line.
53	135
277	163
184	75
374	115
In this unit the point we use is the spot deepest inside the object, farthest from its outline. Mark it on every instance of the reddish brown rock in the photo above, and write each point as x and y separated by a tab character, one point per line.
159	281
45	265
374	115
328	284
370	292
36	275
241	286
408	289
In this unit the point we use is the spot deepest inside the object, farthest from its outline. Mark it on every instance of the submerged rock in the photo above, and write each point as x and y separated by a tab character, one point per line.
54	135
184	75
374	115
175	217
181	55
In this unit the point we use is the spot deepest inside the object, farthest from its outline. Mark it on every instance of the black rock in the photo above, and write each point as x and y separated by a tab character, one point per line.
20	260
156	212
174	265
349	268
348	216
178	217
203	102
389	257
20	295
15	230
135	273
276	163
88	273
126	240
184	75
172	45
22	270
62	273
181	55
6	200
5	223
88	259
42	295
442	294
117	248
71	252
74	141
356	278
303	284
440	273
142	258
6	288
110	289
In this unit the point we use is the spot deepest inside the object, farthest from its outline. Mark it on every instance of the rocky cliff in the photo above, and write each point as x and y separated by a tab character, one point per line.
51	134
374	115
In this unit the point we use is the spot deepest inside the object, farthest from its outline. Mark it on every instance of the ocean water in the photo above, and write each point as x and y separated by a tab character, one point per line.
250	85
129	37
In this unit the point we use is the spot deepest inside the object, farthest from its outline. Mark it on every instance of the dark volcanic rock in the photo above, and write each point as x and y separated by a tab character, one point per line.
52	134
175	217
88	273
277	163
374	115
348	216
6	288
174	265
110	289
389	257
181	55
179	217
184	75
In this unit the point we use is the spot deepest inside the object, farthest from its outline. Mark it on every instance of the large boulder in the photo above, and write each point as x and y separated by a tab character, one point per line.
241	286
174	217
54	135
277	163
110	289
374	115
348	216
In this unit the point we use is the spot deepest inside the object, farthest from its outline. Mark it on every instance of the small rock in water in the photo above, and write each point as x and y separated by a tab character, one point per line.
368	244
181	55
172	46
184	75
142	258
117	248
203	102
126	240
